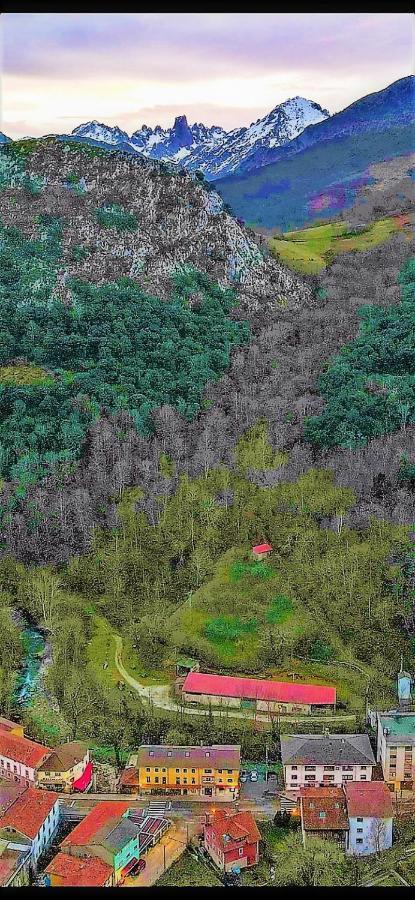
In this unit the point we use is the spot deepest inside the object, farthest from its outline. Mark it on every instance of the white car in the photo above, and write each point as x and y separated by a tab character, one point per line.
254	776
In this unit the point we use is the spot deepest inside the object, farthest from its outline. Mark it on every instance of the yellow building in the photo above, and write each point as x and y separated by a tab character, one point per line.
205	771
66	769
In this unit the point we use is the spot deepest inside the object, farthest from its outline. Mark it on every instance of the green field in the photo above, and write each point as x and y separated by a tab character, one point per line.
311	249
189	872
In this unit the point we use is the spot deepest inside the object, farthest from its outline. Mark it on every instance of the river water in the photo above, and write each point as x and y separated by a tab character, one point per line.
37	658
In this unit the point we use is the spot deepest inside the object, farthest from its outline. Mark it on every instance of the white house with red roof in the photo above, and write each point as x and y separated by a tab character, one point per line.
263	696
31	821
20	757
232	840
370	811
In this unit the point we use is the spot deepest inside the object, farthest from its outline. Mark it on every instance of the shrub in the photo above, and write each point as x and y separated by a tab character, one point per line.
114	216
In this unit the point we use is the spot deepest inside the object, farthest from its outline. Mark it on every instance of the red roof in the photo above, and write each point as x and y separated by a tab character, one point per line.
324	809
240	827
256	689
28	813
99	816
129	777
74	871
371	799
85	780
262	548
22	750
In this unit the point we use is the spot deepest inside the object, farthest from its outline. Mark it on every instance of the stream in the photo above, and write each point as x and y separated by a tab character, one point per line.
37	658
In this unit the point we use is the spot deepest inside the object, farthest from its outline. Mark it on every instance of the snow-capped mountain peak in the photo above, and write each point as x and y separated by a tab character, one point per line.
214	151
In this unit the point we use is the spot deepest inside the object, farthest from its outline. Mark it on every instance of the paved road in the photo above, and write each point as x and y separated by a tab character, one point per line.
159	695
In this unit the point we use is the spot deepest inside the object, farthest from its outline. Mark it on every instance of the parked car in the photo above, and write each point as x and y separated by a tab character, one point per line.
254	775
141	864
243	777
271	776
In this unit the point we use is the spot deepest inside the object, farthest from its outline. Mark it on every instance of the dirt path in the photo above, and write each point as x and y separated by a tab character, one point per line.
159	696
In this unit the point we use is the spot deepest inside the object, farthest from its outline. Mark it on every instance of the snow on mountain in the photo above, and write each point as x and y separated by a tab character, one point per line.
99	132
239	151
214	151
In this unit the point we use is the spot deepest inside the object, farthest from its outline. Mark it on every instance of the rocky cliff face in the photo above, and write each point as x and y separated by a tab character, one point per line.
180	224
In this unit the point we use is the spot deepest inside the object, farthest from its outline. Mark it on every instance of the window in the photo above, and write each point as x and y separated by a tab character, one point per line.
184	780
347	778
294	777
163	770
177	770
408	749
230	771
147	768
310	768
294	767
186	753
184	770
329	768
208	771
359	830
220	771
347	768
322	815
193	780
363	767
169	753
363	777
151	752
359	820
310	777
156	779
177	780
193	771
359	840
207	753
241	851
156	769
229	780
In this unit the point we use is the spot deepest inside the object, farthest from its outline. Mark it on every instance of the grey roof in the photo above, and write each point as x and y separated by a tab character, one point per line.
122	834
334	749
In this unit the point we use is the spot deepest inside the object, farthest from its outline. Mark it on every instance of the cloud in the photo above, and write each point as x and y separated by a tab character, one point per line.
128	68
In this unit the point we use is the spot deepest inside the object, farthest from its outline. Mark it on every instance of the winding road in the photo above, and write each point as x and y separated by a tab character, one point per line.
159	696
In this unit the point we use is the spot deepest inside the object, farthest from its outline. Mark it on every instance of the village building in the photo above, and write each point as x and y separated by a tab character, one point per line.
266	697
186	664
370	811
31	821
11	727
72	871
205	771
261	551
324	814
116	835
14	864
68	768
20	757
396	748
322	760
232	840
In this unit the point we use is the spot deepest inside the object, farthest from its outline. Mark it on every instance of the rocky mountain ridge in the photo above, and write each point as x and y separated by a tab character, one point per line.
212	150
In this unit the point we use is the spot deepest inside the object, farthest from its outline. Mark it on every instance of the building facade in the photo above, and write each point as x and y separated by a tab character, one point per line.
68	768
260	696
72	871
32	821
323	760
204	771
20	758
323	813
396	748
108	835
232	840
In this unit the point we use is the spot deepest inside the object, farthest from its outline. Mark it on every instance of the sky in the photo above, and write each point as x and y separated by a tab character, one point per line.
59	70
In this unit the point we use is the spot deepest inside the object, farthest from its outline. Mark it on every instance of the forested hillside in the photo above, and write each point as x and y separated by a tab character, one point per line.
170	393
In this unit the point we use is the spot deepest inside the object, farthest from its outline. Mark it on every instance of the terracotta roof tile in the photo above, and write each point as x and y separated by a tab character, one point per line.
371	799
73	871
22	749
324	809
239	826
104	814
29	811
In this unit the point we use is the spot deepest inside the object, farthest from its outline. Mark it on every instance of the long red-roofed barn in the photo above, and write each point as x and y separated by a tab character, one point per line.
266	697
